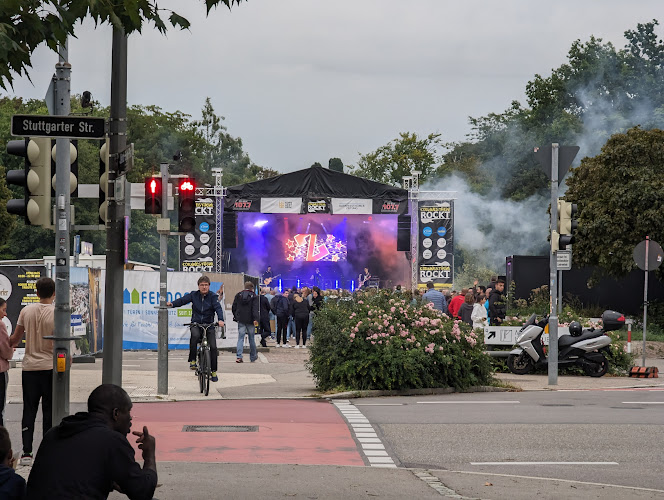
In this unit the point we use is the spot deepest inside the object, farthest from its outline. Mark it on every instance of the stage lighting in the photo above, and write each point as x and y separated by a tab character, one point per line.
260	223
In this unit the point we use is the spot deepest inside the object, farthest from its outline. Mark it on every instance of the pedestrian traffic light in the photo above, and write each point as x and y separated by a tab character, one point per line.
104	159
555	241
186	205
73	174
35	178
153	193
567	224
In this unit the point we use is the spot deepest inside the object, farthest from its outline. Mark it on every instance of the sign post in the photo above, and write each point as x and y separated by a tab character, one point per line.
648	256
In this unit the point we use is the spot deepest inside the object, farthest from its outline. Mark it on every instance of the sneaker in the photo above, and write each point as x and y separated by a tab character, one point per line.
239	360
278	345
263	343
192	365
304	347
26	459
288	346
214	377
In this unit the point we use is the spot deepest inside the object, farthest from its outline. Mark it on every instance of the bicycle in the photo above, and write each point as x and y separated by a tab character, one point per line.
203	357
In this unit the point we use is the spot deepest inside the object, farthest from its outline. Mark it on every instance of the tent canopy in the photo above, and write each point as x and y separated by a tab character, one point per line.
316	190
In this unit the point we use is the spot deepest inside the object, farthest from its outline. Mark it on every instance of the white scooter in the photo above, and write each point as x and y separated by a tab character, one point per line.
584	348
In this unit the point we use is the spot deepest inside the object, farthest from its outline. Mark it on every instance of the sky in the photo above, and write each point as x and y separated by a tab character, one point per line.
304	81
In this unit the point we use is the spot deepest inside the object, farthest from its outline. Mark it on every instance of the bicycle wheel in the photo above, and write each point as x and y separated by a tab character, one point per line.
201	369
206	373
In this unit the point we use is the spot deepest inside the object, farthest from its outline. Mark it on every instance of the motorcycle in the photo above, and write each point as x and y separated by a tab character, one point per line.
584	348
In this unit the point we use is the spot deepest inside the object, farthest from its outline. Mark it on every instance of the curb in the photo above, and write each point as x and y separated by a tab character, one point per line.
411	392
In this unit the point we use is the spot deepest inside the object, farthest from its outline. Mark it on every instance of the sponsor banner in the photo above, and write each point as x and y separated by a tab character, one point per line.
198	249
281	205
351	206
242	205
141	299
318	206
435	259
390	207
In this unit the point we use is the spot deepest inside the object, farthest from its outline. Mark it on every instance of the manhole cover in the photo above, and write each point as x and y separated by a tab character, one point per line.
220	428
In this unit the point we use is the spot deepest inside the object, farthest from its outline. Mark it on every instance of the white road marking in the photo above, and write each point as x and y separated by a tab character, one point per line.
465	402
544	463
643	402
380	404
130	366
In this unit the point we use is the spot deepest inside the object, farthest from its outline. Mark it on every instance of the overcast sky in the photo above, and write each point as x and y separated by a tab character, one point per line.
303	81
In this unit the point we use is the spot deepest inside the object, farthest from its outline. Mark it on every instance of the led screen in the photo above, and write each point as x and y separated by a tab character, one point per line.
316	248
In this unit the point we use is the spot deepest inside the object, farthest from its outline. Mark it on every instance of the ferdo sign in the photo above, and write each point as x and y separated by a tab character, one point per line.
435	259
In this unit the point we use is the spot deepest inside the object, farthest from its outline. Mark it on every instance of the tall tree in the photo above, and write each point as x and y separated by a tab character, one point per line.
26	24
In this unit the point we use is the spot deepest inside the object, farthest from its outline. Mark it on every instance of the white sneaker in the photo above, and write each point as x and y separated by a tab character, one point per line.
287	346
26	459
304	347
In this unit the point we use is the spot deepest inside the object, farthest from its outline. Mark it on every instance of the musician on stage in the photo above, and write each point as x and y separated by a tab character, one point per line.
268	275
363	279
317	279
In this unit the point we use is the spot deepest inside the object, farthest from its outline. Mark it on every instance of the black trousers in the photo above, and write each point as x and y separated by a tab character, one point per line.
4	381
282	329
36	385
301	325
196	335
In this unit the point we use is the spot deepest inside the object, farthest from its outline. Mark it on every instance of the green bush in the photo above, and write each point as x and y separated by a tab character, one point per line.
379	340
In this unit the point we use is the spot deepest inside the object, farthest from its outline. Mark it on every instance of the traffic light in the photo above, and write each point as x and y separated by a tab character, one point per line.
35	178
566	223
73	175
153	193
104	148
555	241
186	205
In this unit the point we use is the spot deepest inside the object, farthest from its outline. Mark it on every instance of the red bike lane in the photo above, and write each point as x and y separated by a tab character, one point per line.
286	432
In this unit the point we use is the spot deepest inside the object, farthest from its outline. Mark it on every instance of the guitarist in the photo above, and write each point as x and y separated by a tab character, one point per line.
364	278
268	276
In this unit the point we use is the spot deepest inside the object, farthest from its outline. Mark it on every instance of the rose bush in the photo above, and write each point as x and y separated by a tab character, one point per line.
380	340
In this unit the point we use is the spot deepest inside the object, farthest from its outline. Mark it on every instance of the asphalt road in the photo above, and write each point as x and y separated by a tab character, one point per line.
608	437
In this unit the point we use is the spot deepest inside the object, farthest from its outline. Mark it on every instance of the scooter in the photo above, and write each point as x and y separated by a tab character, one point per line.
584	348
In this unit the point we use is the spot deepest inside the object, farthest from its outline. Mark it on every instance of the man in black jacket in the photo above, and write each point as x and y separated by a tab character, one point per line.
280	308
264	317
88	454
246	315
497	304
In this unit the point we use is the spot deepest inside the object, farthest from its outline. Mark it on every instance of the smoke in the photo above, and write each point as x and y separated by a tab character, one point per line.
492	228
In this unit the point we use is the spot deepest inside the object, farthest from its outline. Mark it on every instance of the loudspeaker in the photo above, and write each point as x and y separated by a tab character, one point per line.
230	230
403	233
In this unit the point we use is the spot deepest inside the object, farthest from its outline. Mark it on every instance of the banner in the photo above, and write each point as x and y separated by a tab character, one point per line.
281	205
381	206
352	206
198	249
141	300
435	256
242	204
318	206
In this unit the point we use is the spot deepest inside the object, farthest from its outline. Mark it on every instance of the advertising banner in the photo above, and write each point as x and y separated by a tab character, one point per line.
198	249
281	205
352	206
318	206
232	204
435	259
381	206
141	300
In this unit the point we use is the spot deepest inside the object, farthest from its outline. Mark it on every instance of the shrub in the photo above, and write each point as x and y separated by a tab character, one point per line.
381	340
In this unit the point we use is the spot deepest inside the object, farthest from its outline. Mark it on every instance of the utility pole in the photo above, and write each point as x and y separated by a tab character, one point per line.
112	367
553	272
163	227
62	317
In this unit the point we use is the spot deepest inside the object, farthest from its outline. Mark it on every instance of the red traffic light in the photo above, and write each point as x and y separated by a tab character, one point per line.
153	186
187	185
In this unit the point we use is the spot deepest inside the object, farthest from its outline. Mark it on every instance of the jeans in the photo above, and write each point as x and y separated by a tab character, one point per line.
249	330
310	326
212	343
291	328
36	385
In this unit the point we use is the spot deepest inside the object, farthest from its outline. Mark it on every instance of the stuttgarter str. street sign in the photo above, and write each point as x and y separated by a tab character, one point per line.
71	127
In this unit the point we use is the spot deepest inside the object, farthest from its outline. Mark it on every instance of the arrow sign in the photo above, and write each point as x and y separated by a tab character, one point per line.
71	127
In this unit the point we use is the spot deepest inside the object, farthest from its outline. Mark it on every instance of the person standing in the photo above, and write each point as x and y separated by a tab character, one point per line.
300	311
36	321
264	316
479	312
246	315
12	486
280	306
88	455
6	354
317	278
466	309
204	305
436	297
497	304
455	304
363	278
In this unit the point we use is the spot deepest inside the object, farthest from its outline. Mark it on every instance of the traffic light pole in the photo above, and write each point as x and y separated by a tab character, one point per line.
62	327
113	317
553	273
162	318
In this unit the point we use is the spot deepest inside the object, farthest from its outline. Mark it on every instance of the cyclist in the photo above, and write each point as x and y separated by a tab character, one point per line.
204	305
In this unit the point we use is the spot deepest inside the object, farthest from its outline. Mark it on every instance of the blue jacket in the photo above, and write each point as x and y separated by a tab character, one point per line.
202	307
437	298
12	486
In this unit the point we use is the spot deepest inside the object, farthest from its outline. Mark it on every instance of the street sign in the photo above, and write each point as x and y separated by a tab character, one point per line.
566	155
71	127
126	159
655	255
564	259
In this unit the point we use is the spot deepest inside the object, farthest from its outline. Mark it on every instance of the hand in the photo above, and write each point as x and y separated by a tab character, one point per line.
169	304
255	323
146	443
221	323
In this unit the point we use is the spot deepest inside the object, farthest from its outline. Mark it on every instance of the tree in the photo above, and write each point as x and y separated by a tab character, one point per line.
26	24
336	164
620	193
390	163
